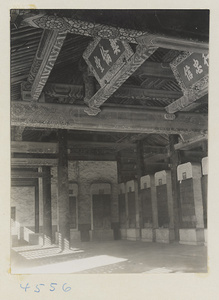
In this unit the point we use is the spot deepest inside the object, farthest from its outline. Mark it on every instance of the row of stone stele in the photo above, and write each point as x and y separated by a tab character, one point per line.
190	236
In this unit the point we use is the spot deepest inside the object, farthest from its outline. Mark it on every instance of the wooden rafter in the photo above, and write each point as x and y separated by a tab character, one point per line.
80	27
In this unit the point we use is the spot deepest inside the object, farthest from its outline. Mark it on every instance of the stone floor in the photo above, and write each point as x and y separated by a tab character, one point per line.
109	258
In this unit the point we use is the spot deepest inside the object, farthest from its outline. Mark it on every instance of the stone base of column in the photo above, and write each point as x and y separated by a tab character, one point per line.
101	235
123	233
192	236
63	244
133	234
147	234
164	235
75	236
47	240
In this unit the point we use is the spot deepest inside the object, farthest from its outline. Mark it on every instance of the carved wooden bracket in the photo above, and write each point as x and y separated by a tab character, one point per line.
18	133
48	50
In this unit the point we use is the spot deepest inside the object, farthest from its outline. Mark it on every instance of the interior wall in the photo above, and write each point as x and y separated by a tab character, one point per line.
23	198
87	172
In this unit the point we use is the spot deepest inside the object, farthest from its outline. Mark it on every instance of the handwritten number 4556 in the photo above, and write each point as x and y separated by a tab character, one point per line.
52	287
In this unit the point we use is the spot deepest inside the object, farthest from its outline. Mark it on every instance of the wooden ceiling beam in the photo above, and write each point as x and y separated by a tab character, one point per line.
52	148
91	156
185	101
91	144
191	143
33	162
23	182
80	27
34	147
45	115
154	158
22	174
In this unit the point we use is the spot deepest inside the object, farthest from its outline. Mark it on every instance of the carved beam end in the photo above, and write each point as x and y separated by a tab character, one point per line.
92	111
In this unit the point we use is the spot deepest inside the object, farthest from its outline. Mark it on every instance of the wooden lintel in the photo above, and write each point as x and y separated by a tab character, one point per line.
80	27
157	164
94	157
34	147
142	53
30	162
23	182
19	174
191	143
44	115
155	149
91	144
52	148
155	158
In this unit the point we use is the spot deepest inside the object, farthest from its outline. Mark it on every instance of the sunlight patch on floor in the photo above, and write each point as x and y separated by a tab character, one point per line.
159	271
48	252
73	266
31	247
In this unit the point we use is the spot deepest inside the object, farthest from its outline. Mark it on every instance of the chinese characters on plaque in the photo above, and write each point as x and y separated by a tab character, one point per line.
191	70
105	57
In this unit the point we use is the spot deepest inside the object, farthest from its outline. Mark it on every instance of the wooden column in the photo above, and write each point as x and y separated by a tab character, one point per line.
37	206
47	213
174	162
63	192
119	167
140	173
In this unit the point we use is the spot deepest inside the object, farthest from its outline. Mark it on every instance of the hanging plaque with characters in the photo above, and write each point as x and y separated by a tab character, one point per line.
105	57
191	72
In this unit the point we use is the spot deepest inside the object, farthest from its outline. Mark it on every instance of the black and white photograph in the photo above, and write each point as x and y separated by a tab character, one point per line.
109	141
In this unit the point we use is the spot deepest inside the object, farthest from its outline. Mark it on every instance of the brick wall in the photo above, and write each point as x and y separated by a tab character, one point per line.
23	198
